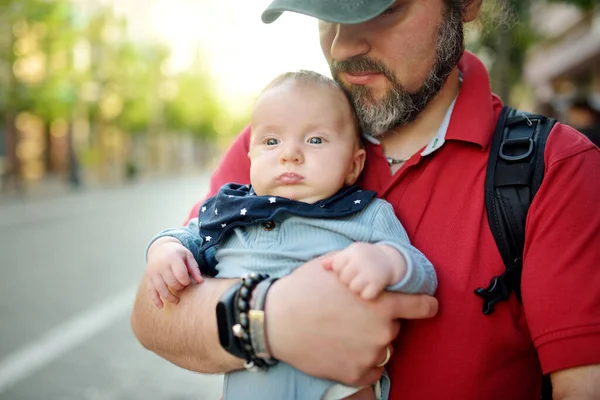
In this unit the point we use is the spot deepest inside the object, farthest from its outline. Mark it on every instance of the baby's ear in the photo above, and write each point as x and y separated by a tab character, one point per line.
358	162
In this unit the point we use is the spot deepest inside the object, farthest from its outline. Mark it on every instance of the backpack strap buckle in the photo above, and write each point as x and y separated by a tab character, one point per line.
500	287
516	143
494	293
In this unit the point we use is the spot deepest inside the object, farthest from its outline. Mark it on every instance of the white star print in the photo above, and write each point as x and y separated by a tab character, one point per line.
223	225
216	212
208	238
272	200
243	211
230	196
203	209
356	201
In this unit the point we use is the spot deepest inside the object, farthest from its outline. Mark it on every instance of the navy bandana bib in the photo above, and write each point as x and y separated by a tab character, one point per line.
237	205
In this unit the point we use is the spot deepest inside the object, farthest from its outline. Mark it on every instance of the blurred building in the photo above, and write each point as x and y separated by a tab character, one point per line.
564	68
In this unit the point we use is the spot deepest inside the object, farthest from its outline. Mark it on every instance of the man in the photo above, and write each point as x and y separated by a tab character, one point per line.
428	113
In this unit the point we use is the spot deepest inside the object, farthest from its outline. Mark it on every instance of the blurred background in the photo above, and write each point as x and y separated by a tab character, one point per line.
113	114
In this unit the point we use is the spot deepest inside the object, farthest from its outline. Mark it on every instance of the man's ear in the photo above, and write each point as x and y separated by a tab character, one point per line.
358	162
471	10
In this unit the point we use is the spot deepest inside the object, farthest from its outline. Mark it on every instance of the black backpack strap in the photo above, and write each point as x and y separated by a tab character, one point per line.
514	174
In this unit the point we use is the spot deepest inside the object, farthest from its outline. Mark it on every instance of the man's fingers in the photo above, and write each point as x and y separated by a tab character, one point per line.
385	356
193	268
410	306
370	377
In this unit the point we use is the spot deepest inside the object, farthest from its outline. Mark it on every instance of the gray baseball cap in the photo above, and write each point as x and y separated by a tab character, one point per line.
337	11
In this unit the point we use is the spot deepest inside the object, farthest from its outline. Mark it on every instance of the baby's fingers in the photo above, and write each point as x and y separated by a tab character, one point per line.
177	277
357	285
327	263
193	268
163	290
371	291
154	297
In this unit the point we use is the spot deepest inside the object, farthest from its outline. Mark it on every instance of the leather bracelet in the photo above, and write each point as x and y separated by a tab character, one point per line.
258	322
242	327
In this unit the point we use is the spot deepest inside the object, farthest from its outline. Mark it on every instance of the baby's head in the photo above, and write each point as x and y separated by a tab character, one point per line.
305	143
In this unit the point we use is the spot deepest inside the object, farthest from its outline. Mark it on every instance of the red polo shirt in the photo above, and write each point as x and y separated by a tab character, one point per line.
439	198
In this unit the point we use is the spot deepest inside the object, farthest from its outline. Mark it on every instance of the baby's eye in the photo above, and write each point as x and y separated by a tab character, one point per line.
315	140
271	142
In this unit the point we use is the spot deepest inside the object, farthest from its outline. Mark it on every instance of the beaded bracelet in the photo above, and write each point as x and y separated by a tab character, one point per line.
242	329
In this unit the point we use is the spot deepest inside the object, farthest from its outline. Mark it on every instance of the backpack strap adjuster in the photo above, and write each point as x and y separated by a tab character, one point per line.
495	292
516	143
500	287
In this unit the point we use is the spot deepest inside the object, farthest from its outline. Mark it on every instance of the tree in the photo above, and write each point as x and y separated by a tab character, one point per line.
510	38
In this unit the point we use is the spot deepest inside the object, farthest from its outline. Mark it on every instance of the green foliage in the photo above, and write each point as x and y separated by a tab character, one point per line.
122	84
193	105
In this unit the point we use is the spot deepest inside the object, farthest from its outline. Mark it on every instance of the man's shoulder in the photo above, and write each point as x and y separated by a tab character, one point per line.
565	142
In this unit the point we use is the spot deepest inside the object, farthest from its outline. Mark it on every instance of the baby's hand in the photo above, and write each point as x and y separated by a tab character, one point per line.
367	268
168	270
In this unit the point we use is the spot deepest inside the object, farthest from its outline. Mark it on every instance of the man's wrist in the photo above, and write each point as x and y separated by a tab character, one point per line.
241	321
258	321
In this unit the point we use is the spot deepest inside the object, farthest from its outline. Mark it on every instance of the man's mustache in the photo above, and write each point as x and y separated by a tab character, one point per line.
360	64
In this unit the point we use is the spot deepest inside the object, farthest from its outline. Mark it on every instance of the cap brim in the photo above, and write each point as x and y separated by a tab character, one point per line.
345	12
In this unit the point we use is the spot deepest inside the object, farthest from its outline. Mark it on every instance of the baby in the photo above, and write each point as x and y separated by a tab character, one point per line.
306	154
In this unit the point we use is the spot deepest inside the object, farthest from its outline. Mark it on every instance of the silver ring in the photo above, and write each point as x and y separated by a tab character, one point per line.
388	354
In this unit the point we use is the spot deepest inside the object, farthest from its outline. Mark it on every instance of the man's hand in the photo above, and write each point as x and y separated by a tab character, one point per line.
580	383
317	325
366	268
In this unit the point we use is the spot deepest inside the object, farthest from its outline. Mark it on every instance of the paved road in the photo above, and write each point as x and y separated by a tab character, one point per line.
69	267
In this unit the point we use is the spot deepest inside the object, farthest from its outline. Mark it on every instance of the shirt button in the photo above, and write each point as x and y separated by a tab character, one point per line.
269	226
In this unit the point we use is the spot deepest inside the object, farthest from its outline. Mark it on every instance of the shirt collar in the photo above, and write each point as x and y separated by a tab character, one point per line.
477	108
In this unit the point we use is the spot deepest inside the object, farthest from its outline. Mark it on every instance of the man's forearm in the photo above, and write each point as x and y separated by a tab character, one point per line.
185	334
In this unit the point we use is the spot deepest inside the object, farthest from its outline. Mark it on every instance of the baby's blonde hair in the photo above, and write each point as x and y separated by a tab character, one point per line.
302	76
307	77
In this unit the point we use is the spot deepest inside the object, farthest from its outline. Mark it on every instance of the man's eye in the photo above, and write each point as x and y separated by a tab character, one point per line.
271	142
391	11
315	140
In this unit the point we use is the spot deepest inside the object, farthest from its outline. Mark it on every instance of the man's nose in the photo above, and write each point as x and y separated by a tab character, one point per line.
291	153
348	41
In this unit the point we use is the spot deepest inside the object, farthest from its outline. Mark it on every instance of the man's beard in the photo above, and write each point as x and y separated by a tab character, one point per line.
400	107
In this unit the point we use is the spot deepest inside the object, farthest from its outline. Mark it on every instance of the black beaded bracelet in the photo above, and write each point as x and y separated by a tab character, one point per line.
242	328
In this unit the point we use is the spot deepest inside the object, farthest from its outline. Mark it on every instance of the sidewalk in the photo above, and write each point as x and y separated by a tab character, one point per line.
50	187
58	187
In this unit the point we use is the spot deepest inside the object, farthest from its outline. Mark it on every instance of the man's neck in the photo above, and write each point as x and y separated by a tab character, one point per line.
404	141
